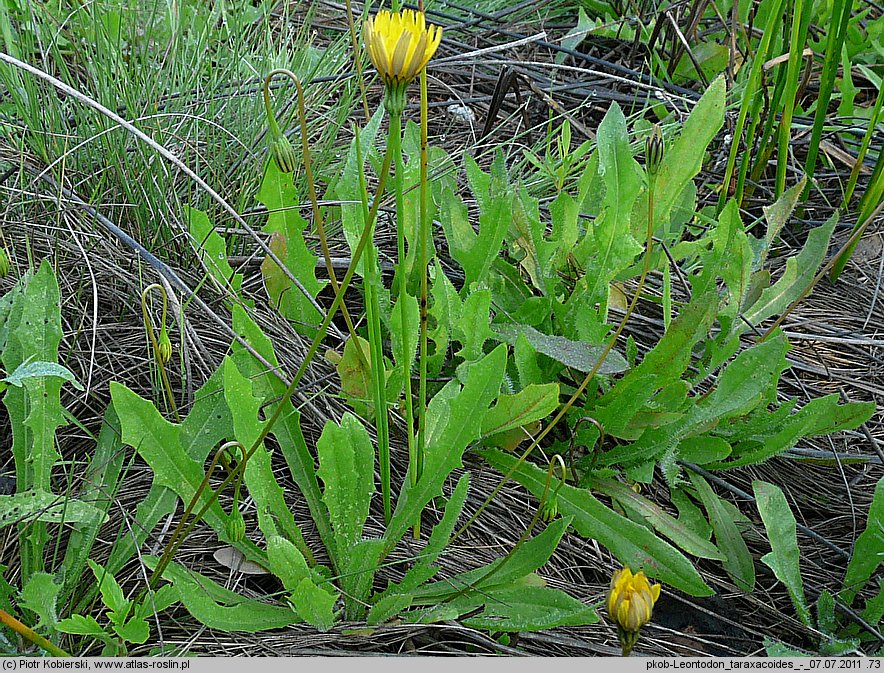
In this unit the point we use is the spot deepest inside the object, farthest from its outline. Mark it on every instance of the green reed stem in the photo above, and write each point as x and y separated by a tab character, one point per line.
797	40
646	267
151	335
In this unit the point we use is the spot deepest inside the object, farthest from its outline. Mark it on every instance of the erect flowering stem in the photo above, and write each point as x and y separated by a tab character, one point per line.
373	318
423	240
162	348
656	150
395	146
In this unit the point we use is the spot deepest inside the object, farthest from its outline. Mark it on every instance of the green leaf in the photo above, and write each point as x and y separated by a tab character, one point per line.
212	250
523	561
531	609
287	431
409	333
576	354
798	276
682	160
33	505
653	514
347	190
111	593
219	608
82	625
40	595
472	328
388	607
346	467
36	369
820	416
136	630
476	252
207	424
785	558
738	562
158	442
532	403
868	551
632	544
609	247
273	511
286	226
741	387
454	421
777	215
424	567
313	602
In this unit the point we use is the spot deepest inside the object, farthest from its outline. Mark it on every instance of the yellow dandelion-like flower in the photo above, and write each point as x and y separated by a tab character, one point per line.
631	600
400	44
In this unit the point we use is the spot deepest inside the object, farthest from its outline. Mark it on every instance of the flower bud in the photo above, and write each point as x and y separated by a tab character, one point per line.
283	153
236	526
4	263
164	347
550	509
631	600
654	150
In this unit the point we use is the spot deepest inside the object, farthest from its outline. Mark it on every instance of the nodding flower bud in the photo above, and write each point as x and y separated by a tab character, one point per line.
236	526
654	150
4	263
631	600
550	509
164	347
283	153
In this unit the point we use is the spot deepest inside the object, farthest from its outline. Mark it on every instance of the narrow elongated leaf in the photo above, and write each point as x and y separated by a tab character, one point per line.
525	560
632	544
531	609
868	551
799	274
287	431
577	354
454	421
785	558
314	603
738	562
667	525
212	250
219	608
475	252
35	505
273	512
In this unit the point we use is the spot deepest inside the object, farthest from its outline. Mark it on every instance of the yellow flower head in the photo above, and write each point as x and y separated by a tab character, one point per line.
400	44
631	600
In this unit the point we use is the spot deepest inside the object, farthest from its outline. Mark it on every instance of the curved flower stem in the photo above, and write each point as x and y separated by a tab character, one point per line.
646	267
151	335
311	188
289	391
395	145
30	635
